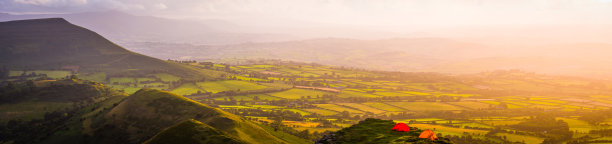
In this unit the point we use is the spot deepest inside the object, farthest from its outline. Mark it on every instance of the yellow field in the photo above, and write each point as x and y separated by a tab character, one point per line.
300	124
231	85
471	105
338	108
425	106
298	93
187	89
521	138
383	106
447	130
362	107
321	112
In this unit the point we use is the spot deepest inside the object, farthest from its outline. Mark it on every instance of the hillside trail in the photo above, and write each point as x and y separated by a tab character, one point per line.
117	60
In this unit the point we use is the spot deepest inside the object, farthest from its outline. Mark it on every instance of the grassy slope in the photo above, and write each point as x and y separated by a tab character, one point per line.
379	131
192	132
149	111
219	86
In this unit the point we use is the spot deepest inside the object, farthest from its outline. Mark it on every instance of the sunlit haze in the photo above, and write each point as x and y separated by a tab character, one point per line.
549	36
384	14
306	71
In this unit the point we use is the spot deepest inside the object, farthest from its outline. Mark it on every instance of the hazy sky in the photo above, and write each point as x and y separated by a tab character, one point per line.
353	12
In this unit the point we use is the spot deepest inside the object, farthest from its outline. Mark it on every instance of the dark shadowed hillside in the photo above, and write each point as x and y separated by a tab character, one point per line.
54	43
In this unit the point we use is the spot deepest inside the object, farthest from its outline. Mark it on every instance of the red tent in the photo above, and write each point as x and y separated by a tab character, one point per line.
401	127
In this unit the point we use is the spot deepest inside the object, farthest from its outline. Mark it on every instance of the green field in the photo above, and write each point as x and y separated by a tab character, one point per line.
298	93
166	77
578	125
448	130
321	112
141	80
471	105
126	89
473	124
393	94
231	85
416	93
301	112
347	93
122	80
15	73
249	97
362	107
29	110
338	108
424	106
155	85
54	74
97	77
521	138
238	98
384	106
187	89
248	78
267	106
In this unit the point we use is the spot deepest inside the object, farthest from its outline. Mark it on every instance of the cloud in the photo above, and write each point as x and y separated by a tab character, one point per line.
33	2
160	6
364	12
52	3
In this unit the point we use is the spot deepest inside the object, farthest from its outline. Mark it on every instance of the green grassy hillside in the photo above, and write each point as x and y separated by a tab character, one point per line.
148	111
192	132
377	131
78	111
55	43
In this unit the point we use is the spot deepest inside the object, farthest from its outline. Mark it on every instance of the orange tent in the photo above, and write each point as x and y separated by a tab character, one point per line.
401	127
428	134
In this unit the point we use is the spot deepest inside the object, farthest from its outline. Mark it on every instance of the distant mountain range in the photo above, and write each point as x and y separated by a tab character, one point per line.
405	54
122	27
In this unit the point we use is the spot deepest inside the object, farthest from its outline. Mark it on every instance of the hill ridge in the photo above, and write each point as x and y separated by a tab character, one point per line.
149	111
52	43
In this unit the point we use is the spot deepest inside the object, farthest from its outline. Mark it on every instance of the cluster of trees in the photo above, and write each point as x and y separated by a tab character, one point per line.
596	117
182	61
65	90
20	131
588	139
286	115
469	139
545	125
80	93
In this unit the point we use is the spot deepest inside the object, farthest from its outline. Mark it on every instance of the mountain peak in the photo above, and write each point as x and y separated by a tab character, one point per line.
45	21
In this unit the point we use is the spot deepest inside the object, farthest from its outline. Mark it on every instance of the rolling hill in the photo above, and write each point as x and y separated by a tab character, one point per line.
55	43
79	111
191	132
148	111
